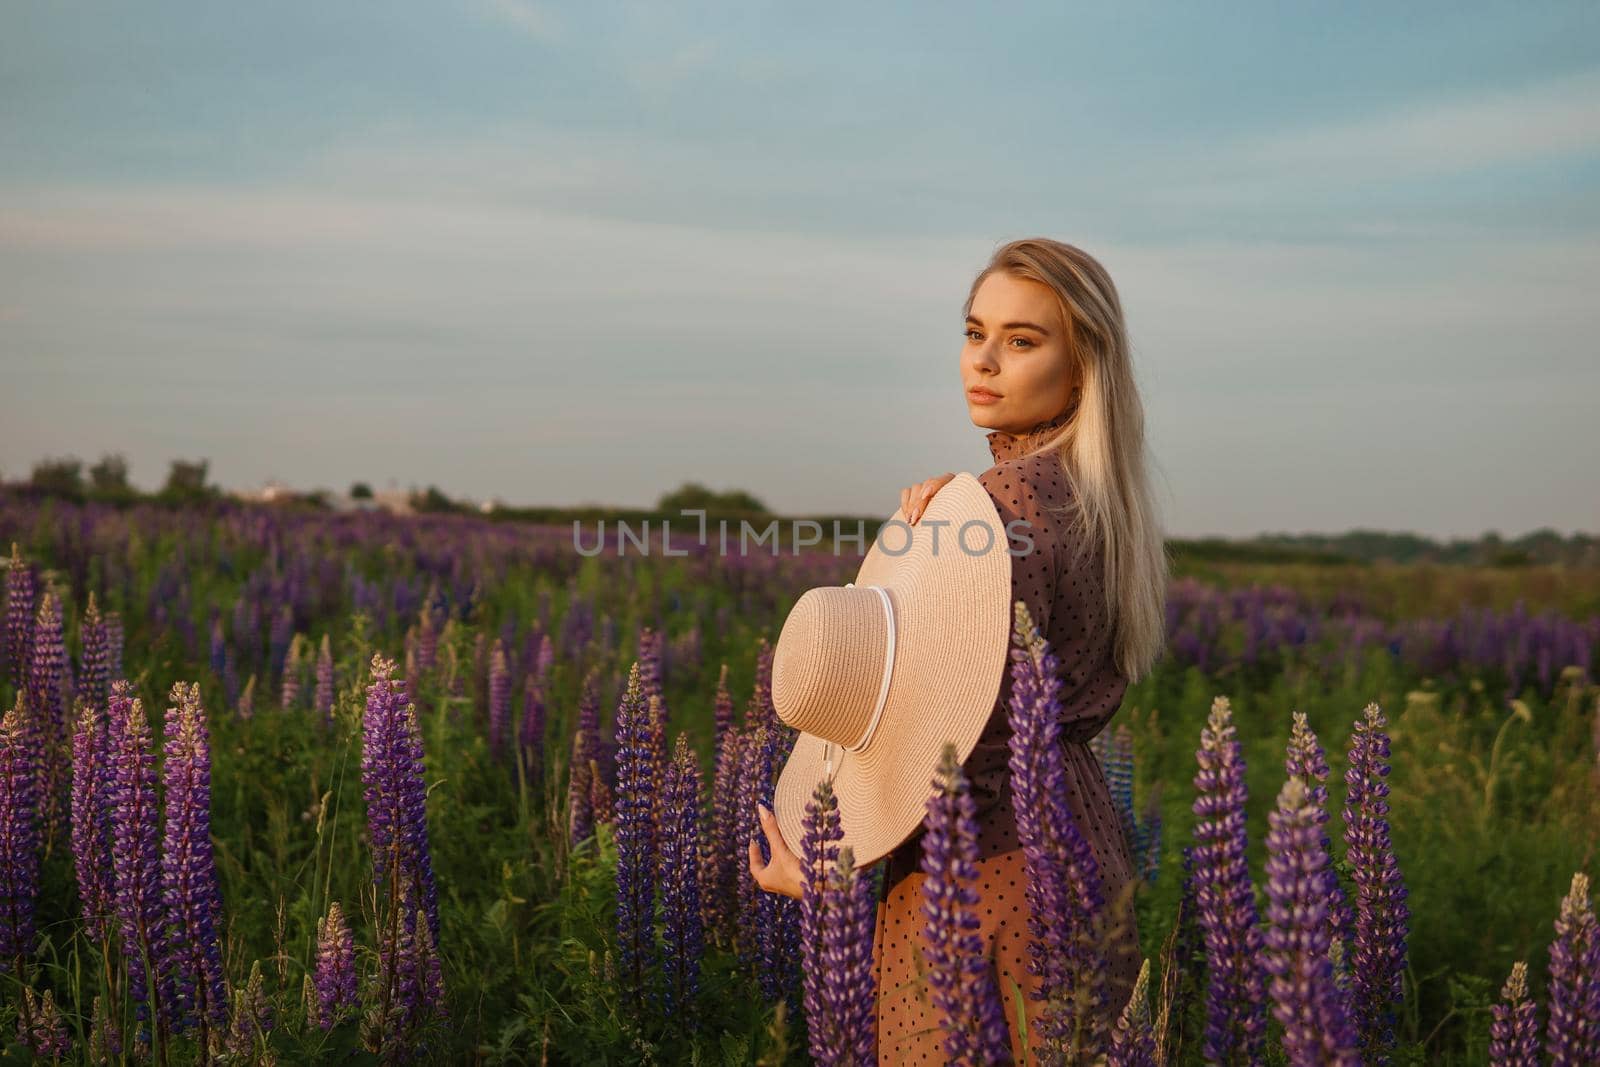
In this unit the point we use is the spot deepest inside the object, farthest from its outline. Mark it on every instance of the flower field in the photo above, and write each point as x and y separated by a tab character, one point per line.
285	786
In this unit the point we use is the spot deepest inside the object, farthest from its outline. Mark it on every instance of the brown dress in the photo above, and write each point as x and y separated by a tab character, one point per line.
1065	601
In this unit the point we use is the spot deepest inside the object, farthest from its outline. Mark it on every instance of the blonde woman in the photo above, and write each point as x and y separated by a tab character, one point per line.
1045	369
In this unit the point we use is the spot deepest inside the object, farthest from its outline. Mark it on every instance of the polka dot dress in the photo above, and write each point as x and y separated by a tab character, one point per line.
1064	594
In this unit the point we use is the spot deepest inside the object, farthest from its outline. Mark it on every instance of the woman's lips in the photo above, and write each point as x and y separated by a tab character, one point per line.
982	396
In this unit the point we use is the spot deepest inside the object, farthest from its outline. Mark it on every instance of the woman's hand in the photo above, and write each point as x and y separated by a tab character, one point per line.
781	874
914	498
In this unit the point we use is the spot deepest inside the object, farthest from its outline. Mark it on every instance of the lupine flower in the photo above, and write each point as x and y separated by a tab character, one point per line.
1514	1034
724	849
94	657
46	671
91	820
279	638
335	980
219	646
655	698
1313	1010
499	701
113	628
1379	955
46	1032
1065	898
1306	759
1133	1042
392	772
683	934
819	852
291	674
252	1016
773	919
847	960
585	747
1236	1010
600	798
961	979
722	707
322	699
20	594
532	733
1119	777
1572	1035
636	842
19	840
191	899
105	1039
135	829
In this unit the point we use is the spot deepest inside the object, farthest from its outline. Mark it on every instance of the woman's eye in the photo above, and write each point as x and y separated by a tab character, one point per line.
1024	340
968	334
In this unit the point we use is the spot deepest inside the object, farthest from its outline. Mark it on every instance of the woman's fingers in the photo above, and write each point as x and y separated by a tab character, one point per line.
780	874
925	492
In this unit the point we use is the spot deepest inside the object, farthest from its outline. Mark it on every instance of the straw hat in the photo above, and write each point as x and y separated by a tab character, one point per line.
878	674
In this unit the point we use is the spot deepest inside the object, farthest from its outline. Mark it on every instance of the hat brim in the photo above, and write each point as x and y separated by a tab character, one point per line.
952	631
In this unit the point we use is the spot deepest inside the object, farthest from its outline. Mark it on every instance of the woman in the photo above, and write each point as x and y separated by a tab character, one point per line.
1045	367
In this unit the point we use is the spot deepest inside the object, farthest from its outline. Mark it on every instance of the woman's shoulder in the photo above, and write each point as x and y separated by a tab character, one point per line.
1029	487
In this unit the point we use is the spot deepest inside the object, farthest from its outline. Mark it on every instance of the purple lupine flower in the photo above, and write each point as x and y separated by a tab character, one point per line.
20	607
1314	1011
636	839
219	646
1065	898
1133	1042
724	846
1119	778
45	1032
545	660
94	658
427	639
1236	1008
819	852
46	673
279	638
19	840
1514	1034
335	978
585	748
1306	759
722	707
847	960
960	977
114	646
190	896
135	830
290	691
499	701
531	735
252	1017
1572	1034
775	918
1378	958
91	821
656	701
322	699
392	772
683	935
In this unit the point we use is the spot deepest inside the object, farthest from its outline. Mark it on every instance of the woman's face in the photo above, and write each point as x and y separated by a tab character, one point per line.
1016	352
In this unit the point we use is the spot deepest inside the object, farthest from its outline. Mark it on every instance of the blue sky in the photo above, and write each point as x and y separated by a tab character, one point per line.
563	254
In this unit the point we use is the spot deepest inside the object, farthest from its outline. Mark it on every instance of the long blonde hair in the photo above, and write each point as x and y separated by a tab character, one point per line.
1102	447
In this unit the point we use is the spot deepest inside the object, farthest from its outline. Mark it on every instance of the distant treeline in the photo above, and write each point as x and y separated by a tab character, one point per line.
738	511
